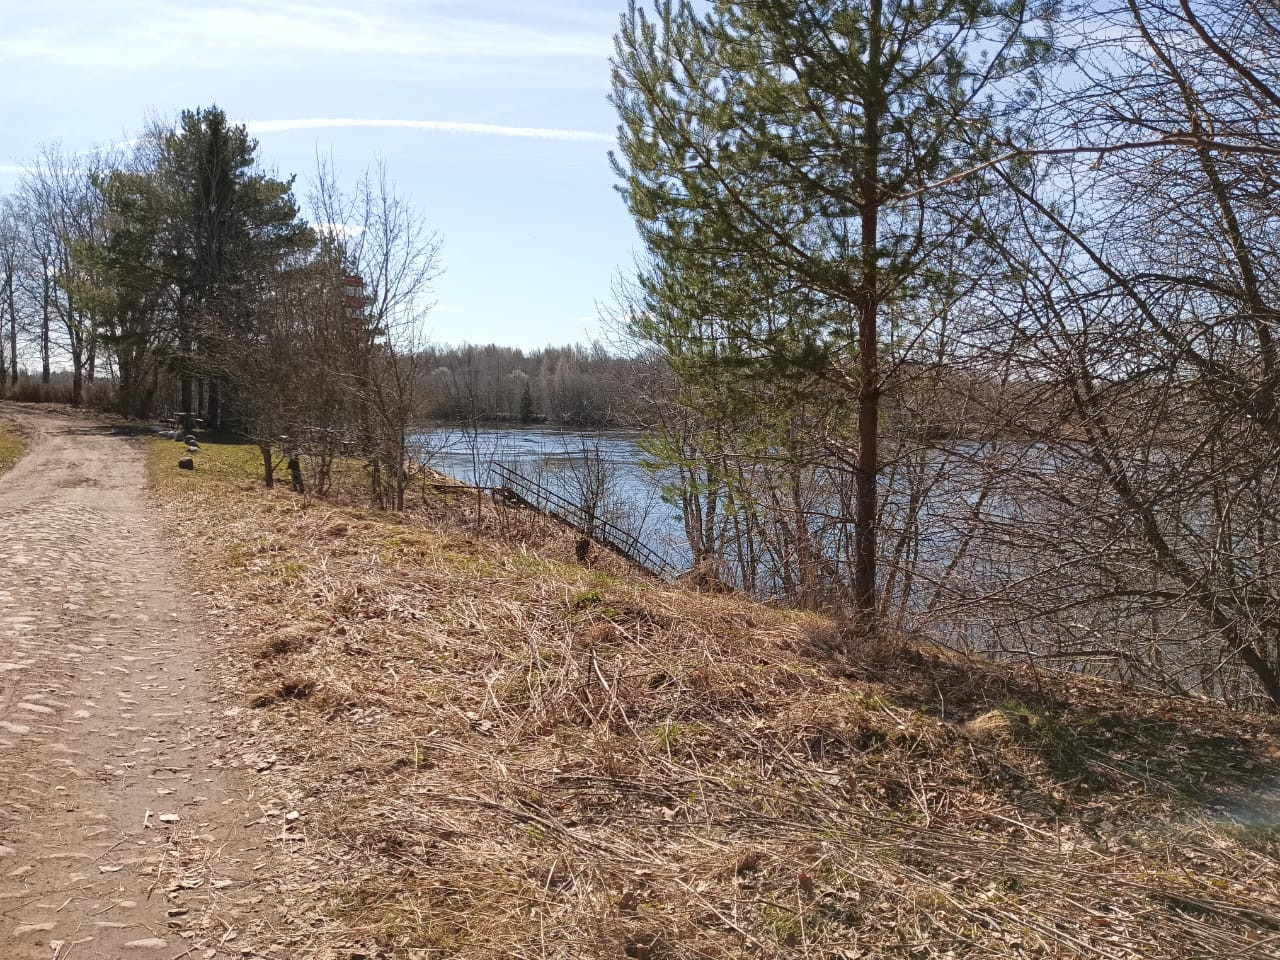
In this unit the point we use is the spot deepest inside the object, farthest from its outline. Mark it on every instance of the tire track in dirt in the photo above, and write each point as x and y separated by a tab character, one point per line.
119	820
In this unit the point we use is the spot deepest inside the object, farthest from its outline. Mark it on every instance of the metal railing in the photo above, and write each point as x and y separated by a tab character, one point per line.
607	534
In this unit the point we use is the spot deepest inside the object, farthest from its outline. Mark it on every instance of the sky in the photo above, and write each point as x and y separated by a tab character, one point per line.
491	117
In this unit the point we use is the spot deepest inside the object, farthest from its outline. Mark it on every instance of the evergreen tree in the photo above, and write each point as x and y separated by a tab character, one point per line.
526	404
123	281
795	173
195	234
230	226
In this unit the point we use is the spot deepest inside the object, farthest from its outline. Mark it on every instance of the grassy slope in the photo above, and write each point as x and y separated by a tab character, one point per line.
12	445
496	753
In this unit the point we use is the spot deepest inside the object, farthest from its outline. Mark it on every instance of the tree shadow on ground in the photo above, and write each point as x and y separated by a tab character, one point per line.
1090	735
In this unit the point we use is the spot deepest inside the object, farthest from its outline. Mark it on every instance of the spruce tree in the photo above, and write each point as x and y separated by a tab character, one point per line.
195	233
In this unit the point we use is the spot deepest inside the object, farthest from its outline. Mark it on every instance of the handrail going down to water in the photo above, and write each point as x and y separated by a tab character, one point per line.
607	534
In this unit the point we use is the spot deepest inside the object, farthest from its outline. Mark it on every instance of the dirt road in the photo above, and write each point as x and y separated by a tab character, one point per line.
119	820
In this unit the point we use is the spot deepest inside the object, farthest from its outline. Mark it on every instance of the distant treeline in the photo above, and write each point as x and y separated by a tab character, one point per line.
584	386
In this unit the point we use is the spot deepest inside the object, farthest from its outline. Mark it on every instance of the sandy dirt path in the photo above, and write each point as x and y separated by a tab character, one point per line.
119	817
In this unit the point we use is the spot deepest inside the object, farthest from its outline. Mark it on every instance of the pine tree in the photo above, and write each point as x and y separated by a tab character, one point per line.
794	170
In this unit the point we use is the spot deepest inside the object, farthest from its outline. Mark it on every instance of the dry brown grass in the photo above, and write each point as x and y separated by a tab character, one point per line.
494	752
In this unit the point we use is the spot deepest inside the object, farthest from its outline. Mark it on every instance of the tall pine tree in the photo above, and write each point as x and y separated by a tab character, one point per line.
795	169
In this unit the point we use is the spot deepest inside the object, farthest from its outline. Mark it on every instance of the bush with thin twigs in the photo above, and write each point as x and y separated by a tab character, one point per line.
30	388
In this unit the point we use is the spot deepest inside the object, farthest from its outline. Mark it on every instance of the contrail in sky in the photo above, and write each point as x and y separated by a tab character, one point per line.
440	126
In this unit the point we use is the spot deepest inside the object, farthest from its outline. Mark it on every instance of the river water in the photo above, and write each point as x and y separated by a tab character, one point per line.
573	463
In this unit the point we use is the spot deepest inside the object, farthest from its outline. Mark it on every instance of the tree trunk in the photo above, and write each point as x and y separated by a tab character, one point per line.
709	542
45	370
187	412
184	359
13	338
130	399
402	478
806	561
148	400
213	416
76	342
865	492
4	358
1263	670
268	467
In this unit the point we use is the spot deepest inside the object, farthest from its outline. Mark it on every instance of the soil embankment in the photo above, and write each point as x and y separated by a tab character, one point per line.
494	751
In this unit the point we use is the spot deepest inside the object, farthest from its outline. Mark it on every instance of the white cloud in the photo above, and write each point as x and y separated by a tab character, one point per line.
141	34
436	126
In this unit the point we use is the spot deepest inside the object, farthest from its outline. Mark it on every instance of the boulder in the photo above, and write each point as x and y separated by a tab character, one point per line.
186	463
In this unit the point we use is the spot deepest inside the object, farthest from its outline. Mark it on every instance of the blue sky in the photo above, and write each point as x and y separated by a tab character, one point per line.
491	115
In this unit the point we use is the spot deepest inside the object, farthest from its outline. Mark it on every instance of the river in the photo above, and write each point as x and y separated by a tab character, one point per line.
573	463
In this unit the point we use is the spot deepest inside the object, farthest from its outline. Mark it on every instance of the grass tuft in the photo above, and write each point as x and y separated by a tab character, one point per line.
13	445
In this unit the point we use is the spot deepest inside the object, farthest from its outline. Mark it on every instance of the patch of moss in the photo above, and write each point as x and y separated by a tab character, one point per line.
587	599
